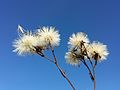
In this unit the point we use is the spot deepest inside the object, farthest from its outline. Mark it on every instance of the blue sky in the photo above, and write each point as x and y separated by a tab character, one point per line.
100	19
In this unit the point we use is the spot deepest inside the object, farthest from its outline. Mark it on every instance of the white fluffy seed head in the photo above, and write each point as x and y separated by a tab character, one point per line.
40	42
72	59
25	44
49	35
76	39
97	51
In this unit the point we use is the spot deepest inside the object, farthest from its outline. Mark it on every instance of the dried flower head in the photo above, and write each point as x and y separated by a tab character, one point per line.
97	51
25	44
76	39
72	58
49	35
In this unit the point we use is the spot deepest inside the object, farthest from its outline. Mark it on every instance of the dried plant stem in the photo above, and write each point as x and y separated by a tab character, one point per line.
93	67
56	64
83	60
88	56
61	71
45	57
90	73
94	78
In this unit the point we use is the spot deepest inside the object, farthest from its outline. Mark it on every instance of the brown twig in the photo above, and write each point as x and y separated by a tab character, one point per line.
84	52
60	69
94	79
93	67
45	57
87	55
90	73
54	62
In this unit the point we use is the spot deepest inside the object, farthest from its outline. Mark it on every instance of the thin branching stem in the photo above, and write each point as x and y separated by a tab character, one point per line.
88	55
93	68
83	60
90	73
56	64
94	79
60	69
48	59
45	57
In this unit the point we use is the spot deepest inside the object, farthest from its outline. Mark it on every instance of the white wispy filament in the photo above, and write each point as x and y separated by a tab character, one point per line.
97	51
76	39
49	35
25	44
71	58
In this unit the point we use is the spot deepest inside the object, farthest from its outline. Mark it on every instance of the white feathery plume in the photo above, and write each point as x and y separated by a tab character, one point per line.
72	58
97	51
76	39
25	44
49	35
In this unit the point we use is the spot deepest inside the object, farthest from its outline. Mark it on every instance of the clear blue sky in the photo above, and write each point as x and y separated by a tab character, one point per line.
100	19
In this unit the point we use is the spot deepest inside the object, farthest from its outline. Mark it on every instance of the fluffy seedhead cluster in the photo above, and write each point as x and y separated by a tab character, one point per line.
36	42
79	45
80	49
